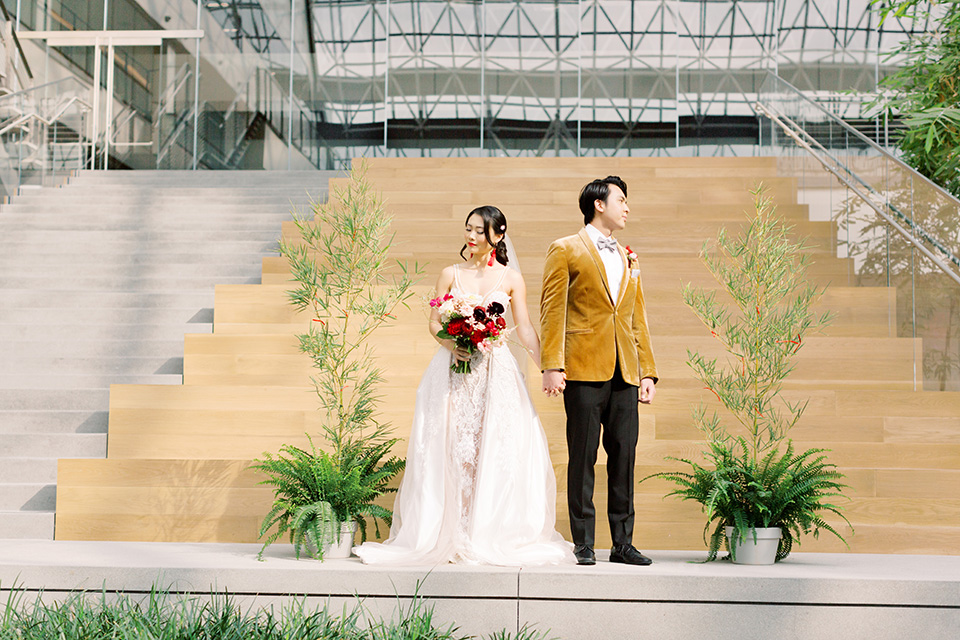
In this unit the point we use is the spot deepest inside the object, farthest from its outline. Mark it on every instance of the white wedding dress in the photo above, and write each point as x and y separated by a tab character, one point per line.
478	487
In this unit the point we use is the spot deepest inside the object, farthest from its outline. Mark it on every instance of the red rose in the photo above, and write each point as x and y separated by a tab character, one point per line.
477	337
491	327
455	328
501	323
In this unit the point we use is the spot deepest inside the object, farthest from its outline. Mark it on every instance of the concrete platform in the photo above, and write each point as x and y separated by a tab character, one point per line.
809	595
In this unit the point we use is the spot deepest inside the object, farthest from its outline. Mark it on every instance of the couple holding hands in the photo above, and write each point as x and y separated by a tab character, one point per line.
479	486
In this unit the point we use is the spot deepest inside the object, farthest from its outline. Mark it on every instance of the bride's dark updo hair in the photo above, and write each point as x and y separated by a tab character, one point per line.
494	222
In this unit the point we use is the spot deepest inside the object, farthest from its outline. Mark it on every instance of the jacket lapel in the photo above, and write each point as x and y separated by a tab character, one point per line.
597	261
626	275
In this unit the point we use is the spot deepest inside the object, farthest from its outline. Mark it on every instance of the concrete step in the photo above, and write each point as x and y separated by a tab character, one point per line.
130	299
28	496
43	261
83	380
146	238
198	319
64	421
84	332
26	525
122	282
101	367
52	445
116	248
188	213
89	399
173	224
274	196
203	179
28	470
124	264
65	348
212	271
66	204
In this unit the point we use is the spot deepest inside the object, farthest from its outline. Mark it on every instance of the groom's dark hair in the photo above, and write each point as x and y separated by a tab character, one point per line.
597	190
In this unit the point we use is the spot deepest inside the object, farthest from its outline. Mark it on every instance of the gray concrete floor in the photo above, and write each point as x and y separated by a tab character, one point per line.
809	595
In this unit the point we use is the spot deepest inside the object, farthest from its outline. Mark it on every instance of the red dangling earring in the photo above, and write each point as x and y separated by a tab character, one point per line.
490	261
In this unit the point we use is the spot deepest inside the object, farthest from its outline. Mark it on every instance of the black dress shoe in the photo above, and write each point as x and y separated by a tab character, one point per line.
628	554
585	554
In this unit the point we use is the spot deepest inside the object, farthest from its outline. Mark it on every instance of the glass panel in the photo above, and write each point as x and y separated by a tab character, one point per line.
899	229
531	78
33	152
629	102
435	78
938	325
349	64
172	125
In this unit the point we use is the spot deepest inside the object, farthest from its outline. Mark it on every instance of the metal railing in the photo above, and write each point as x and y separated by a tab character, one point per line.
836	159
37	125
897	228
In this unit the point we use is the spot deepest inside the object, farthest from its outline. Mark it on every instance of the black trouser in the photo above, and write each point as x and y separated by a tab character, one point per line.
589	405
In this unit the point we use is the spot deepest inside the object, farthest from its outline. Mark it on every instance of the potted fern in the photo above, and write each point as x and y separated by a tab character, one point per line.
759	494
340	267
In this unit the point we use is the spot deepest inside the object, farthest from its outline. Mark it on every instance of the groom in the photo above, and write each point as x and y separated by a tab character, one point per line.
596	352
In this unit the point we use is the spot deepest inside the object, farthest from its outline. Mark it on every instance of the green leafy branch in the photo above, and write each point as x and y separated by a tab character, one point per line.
343	277
763	271
748	482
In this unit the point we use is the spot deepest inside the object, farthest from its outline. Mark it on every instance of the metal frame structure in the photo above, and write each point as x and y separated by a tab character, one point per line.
574	76
106	41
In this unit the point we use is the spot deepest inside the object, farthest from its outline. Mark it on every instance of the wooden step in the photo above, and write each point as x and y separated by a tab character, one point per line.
179	455
144	499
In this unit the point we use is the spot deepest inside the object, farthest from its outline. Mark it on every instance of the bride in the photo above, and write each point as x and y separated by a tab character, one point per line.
478	486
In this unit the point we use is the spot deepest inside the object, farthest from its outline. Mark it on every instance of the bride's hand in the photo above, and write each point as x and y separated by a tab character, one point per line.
461	354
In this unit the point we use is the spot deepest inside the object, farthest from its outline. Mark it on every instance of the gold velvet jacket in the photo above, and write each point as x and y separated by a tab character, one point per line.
584	328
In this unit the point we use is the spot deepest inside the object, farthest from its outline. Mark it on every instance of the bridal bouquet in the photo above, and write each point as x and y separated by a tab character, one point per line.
471	325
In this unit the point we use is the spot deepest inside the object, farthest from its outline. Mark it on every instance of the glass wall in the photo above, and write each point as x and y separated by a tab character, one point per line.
895	227
277	84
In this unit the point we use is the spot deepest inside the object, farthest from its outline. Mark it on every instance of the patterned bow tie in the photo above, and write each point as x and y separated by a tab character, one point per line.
609	244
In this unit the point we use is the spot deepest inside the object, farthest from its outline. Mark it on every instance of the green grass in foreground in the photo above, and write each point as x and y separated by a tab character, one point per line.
162	615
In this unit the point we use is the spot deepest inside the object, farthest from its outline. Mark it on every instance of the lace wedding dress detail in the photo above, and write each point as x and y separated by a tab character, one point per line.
479	486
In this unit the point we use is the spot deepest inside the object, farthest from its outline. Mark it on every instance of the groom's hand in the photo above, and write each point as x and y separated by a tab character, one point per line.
647	390
554	382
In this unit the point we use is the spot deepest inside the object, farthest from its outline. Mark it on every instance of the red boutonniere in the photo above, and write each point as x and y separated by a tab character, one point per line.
632	259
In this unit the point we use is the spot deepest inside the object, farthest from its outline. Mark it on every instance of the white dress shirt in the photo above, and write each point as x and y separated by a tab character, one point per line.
612	262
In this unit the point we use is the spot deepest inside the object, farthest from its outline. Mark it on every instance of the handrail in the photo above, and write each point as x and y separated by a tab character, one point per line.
873	145
40	86
47	121
867	198
170	93
856	184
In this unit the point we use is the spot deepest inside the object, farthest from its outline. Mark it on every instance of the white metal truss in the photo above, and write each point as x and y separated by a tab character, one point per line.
594	76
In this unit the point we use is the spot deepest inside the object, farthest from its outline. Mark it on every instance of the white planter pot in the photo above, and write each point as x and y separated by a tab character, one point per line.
762	550
342	547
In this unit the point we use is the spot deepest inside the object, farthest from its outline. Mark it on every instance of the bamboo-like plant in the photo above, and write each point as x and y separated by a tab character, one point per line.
340	266
922	92
749	482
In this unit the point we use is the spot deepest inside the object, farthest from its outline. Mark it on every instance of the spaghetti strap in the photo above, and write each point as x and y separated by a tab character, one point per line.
456	277
499	282
459	286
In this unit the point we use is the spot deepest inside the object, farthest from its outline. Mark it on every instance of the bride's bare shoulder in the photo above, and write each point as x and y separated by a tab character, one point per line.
445	281
514	280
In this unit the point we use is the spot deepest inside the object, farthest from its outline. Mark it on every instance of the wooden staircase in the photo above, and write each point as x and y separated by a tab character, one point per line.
177	455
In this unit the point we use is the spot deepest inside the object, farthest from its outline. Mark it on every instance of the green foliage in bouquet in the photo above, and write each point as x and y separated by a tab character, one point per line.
749	482
344	278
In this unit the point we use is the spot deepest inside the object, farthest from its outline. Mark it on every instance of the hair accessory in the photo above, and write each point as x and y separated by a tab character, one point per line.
490	261
503	227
